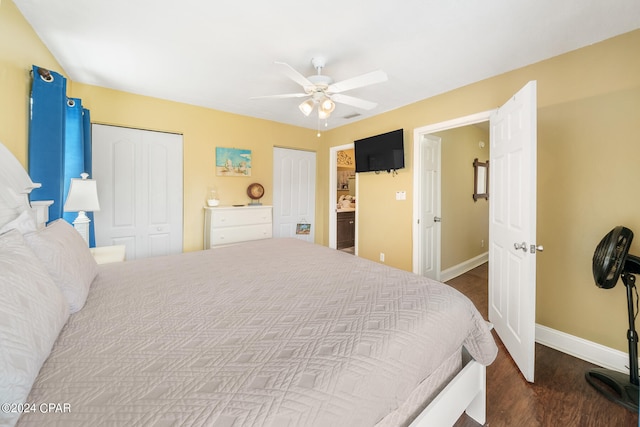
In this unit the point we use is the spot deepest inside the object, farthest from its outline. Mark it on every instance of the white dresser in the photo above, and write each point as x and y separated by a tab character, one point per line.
224	225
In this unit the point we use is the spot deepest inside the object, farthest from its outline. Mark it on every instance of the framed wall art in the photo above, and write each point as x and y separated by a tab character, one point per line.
233	162
303	228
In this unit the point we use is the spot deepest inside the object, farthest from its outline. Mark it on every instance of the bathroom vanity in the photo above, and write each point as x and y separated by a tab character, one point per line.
346	228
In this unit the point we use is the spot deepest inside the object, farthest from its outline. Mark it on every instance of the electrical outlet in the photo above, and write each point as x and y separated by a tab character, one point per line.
482	243
381	256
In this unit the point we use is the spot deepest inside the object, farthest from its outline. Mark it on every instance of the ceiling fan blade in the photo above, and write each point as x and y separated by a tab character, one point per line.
284	95
353	101
294	75
373	77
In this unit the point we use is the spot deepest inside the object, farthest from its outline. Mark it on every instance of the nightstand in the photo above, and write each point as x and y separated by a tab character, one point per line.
107	254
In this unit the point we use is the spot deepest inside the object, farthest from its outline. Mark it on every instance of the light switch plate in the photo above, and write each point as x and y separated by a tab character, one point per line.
401	195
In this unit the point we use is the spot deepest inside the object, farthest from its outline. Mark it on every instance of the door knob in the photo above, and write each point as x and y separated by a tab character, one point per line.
522	246
535	248
437	219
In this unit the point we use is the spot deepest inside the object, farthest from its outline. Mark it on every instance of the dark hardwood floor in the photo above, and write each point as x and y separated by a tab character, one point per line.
560	395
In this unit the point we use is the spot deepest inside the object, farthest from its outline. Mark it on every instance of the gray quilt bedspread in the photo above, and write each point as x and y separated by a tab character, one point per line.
276	332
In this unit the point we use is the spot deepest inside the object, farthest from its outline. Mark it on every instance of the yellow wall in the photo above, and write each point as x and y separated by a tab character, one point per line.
588	151
588	176
20	48
203	130
588	182
465	222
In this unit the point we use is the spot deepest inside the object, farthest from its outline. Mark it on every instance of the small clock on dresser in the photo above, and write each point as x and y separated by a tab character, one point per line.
255	192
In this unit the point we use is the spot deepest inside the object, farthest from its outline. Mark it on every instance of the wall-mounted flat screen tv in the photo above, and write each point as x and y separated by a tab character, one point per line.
383	152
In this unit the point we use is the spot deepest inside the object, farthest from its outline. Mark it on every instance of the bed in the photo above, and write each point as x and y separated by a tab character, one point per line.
275	332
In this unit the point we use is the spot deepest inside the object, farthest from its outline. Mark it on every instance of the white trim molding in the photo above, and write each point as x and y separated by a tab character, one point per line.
463	267
417	178
589	351
592	352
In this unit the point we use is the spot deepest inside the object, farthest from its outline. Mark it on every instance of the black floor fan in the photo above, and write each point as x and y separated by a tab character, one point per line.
612	261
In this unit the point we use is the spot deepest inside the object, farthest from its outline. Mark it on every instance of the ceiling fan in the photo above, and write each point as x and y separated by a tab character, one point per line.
320	89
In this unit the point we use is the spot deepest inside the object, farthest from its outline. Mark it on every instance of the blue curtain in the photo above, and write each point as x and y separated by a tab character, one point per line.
59	142
46	138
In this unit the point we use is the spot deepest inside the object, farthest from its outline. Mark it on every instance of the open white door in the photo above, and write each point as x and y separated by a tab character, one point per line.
512	226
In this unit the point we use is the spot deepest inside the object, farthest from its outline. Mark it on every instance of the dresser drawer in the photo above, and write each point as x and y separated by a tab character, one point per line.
228	235
228	225
234	217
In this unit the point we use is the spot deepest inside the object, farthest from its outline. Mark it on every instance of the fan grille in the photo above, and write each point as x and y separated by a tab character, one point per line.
610	256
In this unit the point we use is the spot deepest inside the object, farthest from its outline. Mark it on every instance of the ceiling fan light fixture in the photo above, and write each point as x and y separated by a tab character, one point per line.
321	90
322	115
327	106
306	107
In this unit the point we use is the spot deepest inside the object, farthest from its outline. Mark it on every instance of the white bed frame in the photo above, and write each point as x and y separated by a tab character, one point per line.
465	393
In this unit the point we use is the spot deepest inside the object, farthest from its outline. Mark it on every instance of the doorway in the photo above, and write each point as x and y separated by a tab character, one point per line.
427	214
512	219
454	212
333	198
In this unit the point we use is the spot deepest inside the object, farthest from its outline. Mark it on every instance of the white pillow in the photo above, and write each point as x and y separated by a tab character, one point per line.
67	258
24	223
32	313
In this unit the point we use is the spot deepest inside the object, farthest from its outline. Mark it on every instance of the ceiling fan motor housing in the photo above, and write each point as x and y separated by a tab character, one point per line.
320	80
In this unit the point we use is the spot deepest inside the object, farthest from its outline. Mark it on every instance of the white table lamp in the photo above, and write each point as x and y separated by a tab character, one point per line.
82	198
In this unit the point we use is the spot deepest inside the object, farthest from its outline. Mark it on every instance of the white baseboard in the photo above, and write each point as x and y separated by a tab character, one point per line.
462	268
582	349
590	351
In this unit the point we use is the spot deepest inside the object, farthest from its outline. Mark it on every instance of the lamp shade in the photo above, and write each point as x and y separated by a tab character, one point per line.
327	106
306	107
83	195
322	115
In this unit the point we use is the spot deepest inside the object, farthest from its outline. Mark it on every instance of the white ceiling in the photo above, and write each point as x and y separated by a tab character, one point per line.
219	54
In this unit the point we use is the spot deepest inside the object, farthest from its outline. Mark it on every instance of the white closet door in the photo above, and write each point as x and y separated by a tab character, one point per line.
139	178
294	192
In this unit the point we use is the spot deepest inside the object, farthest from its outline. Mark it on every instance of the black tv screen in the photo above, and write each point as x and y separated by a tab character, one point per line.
383	152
